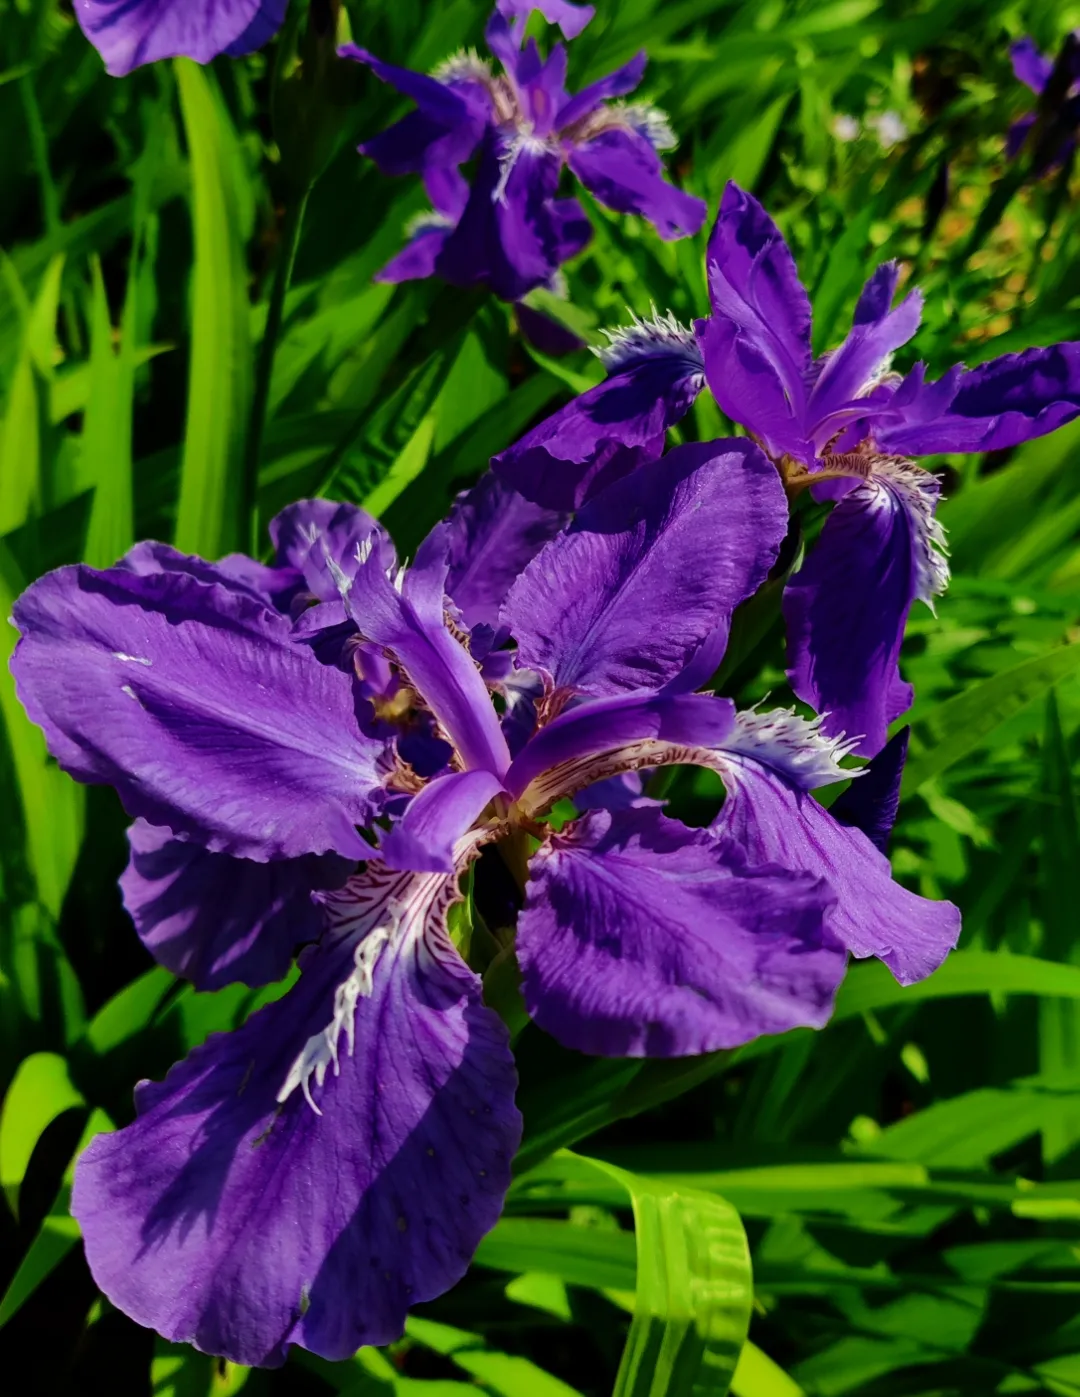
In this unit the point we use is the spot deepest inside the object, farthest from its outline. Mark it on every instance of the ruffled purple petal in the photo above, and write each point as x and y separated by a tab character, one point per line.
616	84
757	342
1001	403
410	625
624	598
307	1178
444	131
642	938
846	607
1029	65
777	823
871	802
607	737
195	703
877	330
128	33
621	169
424	839
609	431
493	534
216	920
571	19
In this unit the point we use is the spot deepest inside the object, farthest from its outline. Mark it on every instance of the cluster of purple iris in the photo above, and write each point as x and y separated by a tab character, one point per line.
316	750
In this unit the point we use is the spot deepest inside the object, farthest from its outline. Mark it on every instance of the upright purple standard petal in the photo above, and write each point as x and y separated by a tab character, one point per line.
649	569
216	920
320	539
999	404
616	84
196	704
642	938
847	606
410	625
307	1178
571	19
757	342
612	429
493	534
874	916
877	330
1029	65
128	33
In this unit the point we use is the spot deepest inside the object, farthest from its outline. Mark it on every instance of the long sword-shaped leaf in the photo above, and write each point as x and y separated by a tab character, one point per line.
219	382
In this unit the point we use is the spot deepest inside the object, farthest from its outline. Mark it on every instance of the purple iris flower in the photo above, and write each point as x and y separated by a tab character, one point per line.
128	33
508	229
306	1178
842	424
1038	72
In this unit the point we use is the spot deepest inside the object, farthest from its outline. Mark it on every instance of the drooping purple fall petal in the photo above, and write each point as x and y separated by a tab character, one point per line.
642	938
611	429
128	33
1001	403
443	132
310	1176
623	599
196	704
621	169
846	607
216	920
777	823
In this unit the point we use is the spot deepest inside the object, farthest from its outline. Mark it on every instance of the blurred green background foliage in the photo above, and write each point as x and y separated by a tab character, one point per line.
908	1178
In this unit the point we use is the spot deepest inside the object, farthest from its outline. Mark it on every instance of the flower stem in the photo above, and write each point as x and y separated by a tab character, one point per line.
264	369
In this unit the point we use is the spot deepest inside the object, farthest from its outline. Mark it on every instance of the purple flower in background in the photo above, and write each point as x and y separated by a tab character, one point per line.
508	230
1060	82
308	1177
128	33
842	424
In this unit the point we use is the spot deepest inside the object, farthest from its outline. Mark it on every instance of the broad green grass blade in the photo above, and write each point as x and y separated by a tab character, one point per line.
870	986
23	407
219	382
41	1091
1059	1019
52	804
105	461
961	725
59	1231
758	1376
693	1282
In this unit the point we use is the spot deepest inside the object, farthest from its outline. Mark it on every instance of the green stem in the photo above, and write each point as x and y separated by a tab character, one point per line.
264	369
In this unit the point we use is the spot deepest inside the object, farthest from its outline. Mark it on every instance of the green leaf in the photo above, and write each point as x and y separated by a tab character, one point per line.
870	986
105	461
960	725
52	804
22	486
59	1231
219	384
693	1282
41	1091
758	1376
